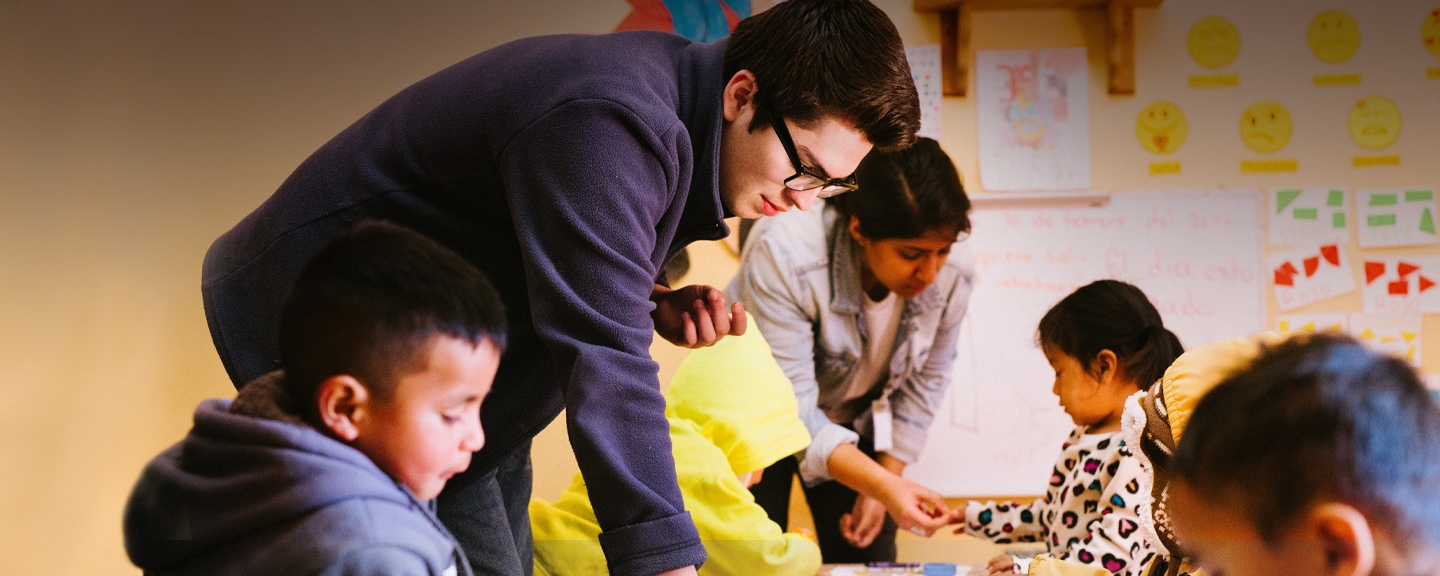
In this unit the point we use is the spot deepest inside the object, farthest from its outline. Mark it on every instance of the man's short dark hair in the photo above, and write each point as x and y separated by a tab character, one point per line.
1319	420
818	59
370	302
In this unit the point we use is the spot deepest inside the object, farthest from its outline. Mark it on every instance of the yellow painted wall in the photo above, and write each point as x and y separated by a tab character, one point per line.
133	133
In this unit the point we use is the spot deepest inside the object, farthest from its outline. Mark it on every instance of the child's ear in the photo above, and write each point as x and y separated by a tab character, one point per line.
1346	537
343	403
1105	366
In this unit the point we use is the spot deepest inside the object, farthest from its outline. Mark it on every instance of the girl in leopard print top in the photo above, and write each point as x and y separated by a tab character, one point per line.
1105	342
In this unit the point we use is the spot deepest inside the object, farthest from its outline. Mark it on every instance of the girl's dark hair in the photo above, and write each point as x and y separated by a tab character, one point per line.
1320	419
818	59
1115	316
906	194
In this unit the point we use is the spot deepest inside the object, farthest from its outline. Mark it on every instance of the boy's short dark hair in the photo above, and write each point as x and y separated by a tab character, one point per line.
1320	419
368	304
816	59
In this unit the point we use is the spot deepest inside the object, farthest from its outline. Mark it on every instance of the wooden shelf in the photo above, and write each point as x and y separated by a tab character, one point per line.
956	53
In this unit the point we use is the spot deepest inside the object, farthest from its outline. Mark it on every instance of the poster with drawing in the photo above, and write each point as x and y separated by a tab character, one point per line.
1402	285
925	70
1308	216
1033	118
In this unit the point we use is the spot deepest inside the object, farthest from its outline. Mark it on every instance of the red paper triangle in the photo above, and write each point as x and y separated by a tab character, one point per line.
1331	254
1399	288
1373	270
1405	268
1283	278
1426	283
1288	268
1311	265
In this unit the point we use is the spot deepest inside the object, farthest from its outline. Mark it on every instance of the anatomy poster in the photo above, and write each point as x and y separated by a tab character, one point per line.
1034	119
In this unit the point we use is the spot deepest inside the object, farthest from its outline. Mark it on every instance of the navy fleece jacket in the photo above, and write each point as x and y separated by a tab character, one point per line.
568	169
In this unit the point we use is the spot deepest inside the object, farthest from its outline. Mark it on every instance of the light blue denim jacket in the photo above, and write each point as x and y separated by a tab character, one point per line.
800	281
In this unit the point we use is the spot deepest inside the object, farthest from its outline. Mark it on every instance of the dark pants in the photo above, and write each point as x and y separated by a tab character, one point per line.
491	518
828	502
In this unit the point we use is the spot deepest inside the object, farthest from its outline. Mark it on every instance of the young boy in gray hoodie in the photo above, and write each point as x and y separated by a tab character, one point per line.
388	344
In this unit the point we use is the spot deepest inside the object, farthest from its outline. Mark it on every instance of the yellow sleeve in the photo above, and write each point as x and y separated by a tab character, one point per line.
739	538
566	534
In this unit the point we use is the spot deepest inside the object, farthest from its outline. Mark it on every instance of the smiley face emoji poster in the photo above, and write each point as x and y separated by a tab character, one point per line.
1374	122
1334	36
1266	127
1214	42
1430	32
1161	127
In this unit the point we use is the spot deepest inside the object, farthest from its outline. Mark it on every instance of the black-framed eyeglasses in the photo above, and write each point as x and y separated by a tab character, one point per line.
805	177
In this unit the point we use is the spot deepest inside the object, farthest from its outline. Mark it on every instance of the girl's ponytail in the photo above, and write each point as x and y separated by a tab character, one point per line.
1115	316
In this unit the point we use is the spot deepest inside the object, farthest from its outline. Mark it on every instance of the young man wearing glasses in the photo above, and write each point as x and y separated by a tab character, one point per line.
570	169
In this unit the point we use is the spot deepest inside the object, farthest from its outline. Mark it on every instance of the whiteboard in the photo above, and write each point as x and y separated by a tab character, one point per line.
1196	253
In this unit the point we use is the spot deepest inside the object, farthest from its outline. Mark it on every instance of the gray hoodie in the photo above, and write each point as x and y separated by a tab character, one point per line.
252	490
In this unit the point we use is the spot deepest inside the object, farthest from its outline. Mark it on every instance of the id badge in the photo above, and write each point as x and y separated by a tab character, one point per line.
881	426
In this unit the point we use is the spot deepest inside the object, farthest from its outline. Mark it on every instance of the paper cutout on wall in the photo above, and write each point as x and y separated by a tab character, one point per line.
1402	285
1213	42
1397	335
1338	322
1033	118
1388	217
1309	215
1374	122
1266	127
1161	127
925	70
1334	36
1303	276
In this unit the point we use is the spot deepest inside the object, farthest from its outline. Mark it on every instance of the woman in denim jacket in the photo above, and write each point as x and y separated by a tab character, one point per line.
861	300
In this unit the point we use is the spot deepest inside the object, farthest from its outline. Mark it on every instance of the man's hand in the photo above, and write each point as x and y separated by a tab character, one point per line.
862	524
695	316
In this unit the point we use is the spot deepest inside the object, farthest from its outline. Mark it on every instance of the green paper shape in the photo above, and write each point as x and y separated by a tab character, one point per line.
1337	220
1419	195
1380	219
1384	199
1307	214
1283	198
1337	198
1427	223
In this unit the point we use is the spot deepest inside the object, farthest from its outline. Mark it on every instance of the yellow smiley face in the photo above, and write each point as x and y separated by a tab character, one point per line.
1161	127
1214	42
1375	122
1430	32
1334	36
1266	127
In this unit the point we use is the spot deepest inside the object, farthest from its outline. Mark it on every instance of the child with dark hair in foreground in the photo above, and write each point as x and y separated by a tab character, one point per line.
1320	458
388	343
